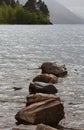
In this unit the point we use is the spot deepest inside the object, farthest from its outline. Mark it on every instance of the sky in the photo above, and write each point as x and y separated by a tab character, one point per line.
76	6
72	3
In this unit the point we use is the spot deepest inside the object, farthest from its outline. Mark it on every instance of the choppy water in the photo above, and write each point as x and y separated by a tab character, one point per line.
25	47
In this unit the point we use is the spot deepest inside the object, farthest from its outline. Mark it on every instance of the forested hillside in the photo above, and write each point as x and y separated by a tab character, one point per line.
32	12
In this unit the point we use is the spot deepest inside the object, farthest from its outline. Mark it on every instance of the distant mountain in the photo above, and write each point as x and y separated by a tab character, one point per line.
61	15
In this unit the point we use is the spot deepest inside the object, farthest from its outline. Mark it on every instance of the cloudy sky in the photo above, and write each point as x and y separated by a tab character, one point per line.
76	6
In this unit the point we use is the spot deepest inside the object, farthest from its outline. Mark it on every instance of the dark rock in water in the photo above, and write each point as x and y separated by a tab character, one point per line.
48	112
46	78
44	127
39	97
53	68
17	88
42	88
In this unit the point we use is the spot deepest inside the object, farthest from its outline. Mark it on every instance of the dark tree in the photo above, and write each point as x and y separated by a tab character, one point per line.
44	9
39	3
13	3
30	5
17	2
1	1
8	2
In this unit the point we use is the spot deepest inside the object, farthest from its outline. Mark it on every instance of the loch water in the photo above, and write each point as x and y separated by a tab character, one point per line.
23	48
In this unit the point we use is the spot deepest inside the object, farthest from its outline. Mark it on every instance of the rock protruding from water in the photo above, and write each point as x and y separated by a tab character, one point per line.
48	112
53	68
44	127
42	88
42	105
46	78
39	97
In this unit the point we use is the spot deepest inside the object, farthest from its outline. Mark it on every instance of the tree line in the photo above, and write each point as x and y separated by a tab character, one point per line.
32	12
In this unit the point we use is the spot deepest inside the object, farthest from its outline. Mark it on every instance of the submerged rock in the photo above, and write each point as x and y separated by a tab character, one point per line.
53	68
20	129
24	127
48	112
47	78
42	88
39	97
44	127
